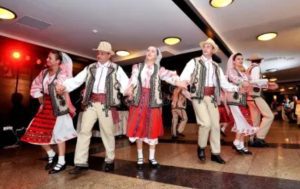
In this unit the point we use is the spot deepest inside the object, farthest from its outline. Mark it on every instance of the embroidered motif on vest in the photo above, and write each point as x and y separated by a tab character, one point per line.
58	102
112	86
198	81
155	88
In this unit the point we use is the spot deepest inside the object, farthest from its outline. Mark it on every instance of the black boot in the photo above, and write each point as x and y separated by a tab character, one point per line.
217	158
239	151
78	170
109	167
201	154
140	164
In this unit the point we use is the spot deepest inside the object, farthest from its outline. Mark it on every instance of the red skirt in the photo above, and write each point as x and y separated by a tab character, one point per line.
143	121
224	116
41	127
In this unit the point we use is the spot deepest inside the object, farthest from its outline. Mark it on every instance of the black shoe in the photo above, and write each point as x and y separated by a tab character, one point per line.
53	162
236	149
109	167
153	164
59	168
246	151
201	154
140	164
180	134
78	170
258	143
217	158
174	137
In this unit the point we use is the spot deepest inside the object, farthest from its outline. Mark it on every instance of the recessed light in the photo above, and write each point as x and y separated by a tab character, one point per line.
282	90
273	79
267	36
291	88
220	3
264	76
171	40
272	70
122	53
6	14
95	31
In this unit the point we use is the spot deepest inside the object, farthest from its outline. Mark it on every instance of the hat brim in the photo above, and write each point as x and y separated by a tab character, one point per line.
110	52
251	59
215	47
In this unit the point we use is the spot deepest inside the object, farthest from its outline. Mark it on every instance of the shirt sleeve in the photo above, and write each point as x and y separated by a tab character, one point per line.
234	78
122	79
168	76
73	83
188	71
225	84
37	86
134	76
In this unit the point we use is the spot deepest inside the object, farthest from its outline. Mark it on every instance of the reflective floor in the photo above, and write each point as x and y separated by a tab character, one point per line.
277	166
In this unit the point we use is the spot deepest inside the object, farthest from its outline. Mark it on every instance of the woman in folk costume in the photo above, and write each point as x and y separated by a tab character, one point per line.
53	123
242	118
145	116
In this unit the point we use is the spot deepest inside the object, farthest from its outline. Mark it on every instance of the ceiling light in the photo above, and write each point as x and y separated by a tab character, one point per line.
272	70
282	89
264	76
220	3
95	31
273	79
122	53
171	40
291	88
6	14
266	36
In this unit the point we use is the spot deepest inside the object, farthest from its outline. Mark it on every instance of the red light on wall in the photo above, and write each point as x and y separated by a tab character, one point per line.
16	55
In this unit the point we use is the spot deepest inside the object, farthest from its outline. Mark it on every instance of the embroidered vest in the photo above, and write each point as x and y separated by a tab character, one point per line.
198	79
112	86
155	88
58	102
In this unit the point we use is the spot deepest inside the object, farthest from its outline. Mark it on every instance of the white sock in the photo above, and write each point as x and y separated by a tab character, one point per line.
140	153
60	163
237	143
242	145
151	154
61	160
51	154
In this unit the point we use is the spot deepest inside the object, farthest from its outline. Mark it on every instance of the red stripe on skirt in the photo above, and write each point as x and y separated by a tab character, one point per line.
41	128
143	121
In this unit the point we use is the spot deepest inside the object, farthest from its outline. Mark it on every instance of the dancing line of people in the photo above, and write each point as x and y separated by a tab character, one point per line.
215	98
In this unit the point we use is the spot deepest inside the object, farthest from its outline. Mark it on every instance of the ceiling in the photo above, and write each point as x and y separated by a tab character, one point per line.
131	25
240	23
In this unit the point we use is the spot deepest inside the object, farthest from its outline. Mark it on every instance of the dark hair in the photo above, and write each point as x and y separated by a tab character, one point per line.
57	54
236	55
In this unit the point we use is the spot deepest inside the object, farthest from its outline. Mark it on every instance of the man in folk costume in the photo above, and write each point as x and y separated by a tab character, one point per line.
53	123
178	112
104	81
206	79
257	105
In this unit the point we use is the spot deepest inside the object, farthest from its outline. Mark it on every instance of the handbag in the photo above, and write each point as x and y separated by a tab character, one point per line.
235	98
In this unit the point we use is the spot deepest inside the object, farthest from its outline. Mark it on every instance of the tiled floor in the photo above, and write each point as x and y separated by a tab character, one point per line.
275	167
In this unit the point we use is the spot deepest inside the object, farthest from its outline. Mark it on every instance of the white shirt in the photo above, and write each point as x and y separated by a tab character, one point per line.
210	75
100	77
255	78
